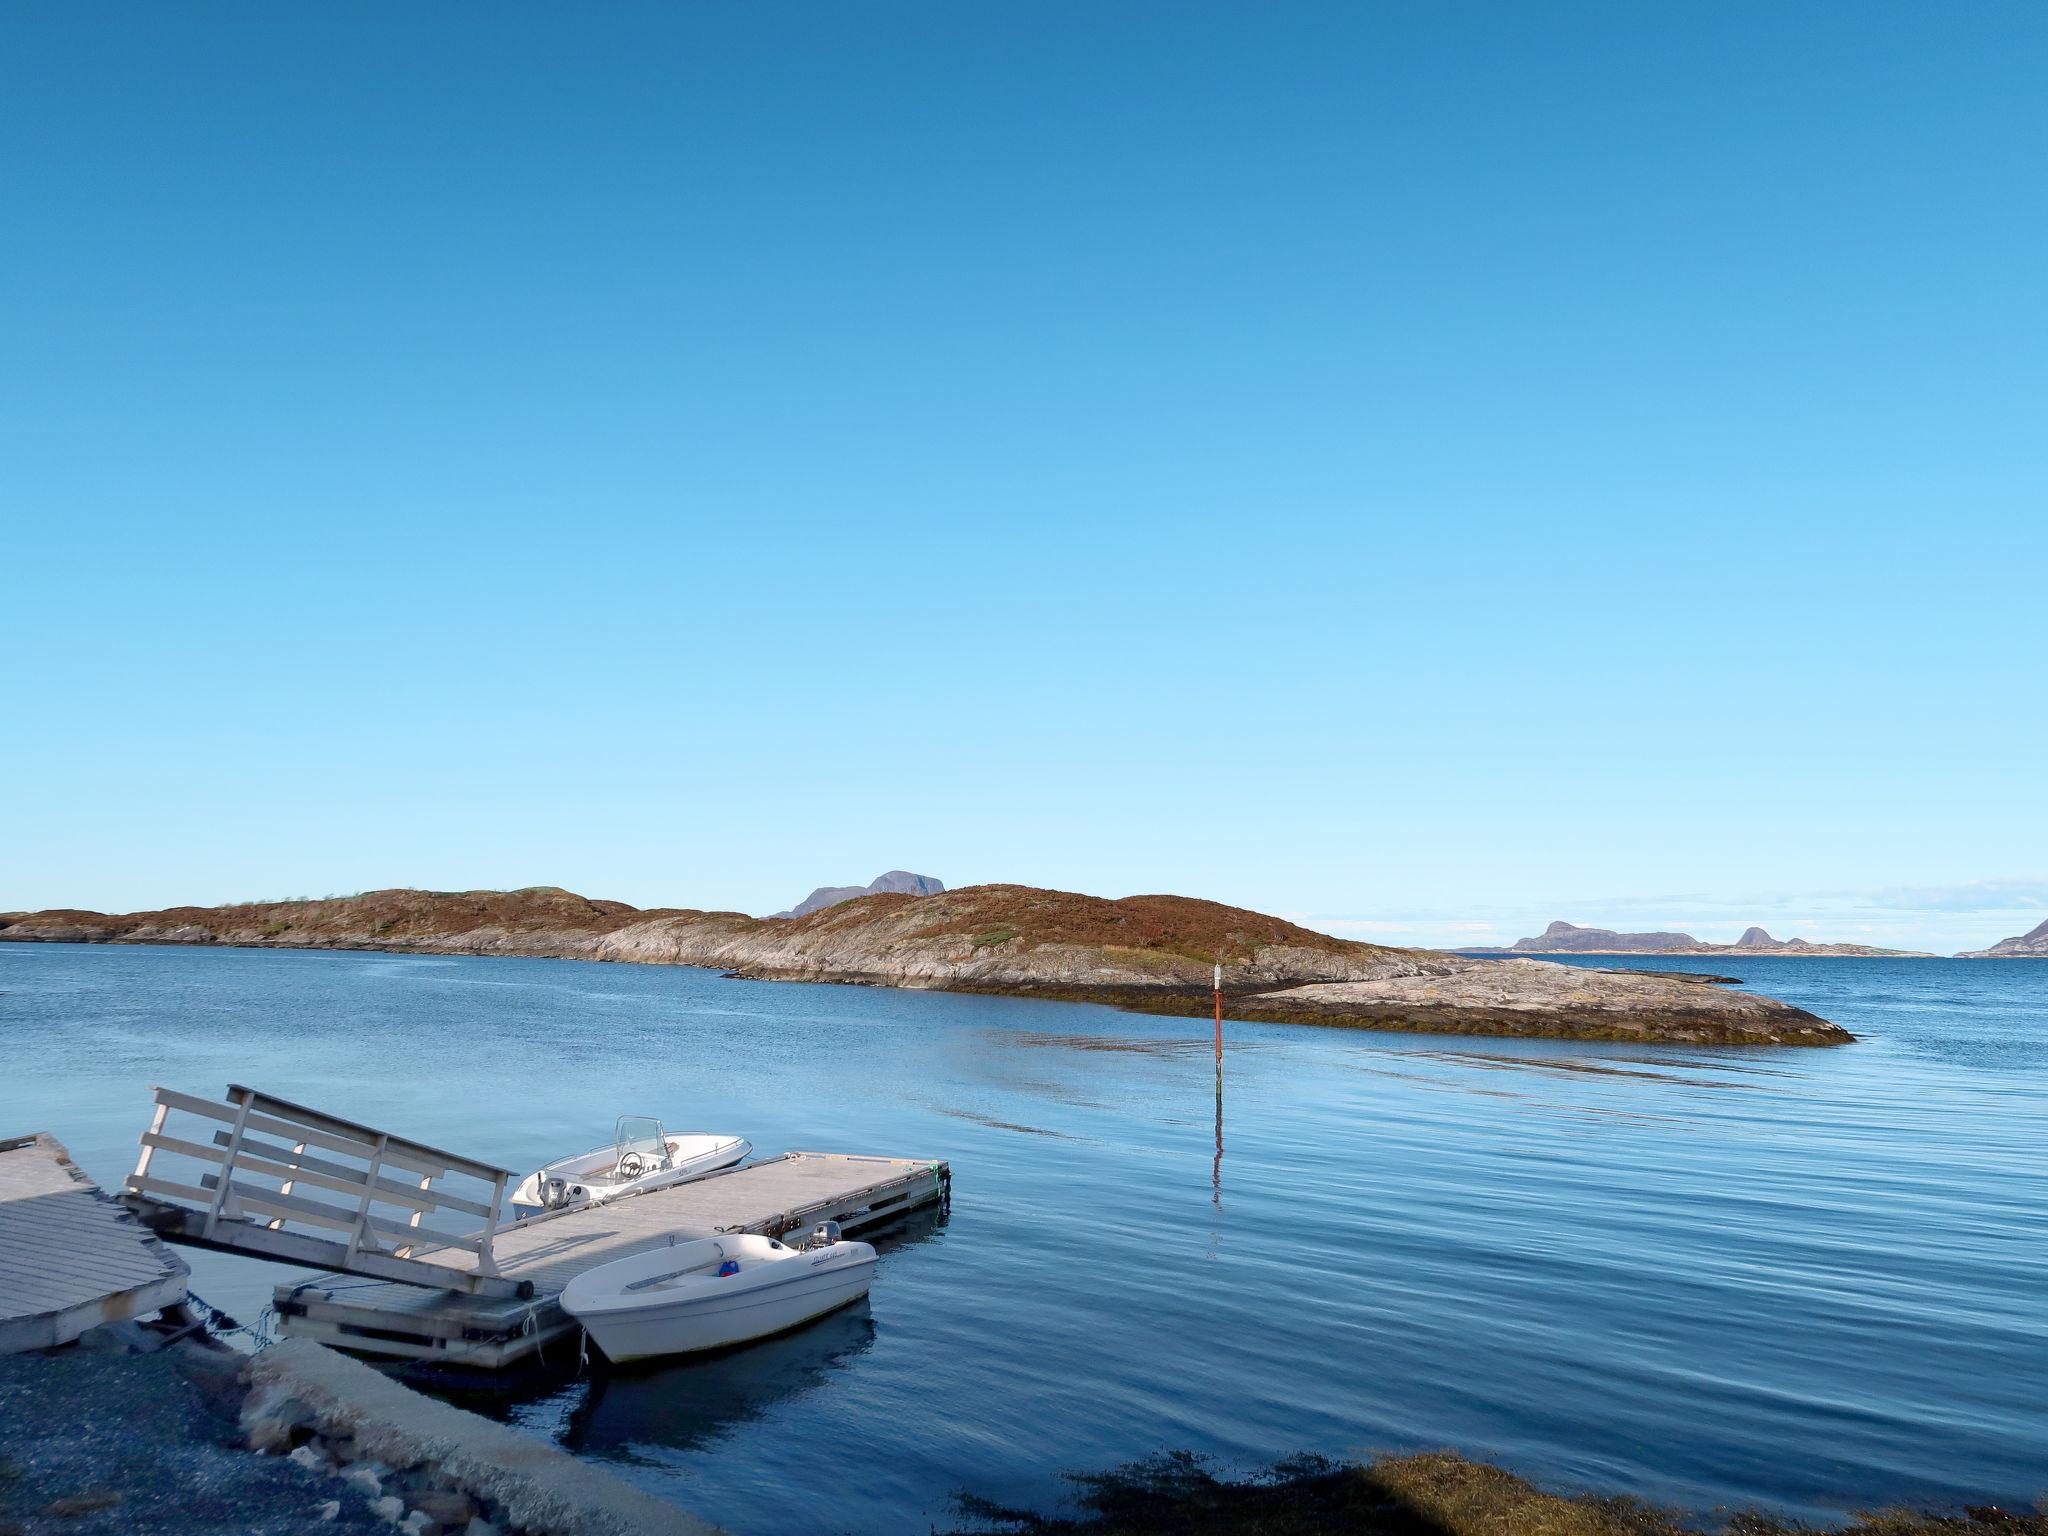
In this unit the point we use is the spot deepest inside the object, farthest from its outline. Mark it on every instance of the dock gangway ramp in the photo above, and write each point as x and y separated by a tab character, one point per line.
270	1179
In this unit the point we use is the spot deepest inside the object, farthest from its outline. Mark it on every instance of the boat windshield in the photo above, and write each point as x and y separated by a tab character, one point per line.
640	1136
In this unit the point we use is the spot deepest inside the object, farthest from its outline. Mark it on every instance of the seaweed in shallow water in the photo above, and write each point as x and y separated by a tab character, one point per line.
1429	1495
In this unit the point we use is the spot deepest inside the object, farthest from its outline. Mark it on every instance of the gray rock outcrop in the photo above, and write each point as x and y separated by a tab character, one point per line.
1155	953
1151	953
2032	945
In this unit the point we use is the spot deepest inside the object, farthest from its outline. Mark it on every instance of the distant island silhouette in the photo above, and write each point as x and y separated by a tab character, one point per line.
1563	938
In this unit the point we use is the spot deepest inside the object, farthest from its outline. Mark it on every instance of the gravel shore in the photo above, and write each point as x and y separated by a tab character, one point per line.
103	1443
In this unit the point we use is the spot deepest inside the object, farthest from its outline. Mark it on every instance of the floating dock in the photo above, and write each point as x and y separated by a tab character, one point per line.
70	1257
779	1195
489	1298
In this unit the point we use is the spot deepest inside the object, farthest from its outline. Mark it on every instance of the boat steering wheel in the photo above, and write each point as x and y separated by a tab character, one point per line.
631	1165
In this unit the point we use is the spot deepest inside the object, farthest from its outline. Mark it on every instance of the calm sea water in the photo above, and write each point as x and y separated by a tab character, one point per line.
1808	1279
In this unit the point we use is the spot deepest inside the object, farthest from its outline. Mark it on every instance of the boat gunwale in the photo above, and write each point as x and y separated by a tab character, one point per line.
628	1302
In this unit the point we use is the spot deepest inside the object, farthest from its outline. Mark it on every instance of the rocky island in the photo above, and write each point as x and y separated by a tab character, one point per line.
1569	939
1147	953
2026	946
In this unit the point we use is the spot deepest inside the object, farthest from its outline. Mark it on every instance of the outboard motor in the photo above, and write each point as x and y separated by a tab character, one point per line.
823	1235
554	1193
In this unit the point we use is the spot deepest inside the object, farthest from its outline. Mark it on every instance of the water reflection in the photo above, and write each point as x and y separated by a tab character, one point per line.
1216	1168
639	1412
1802	1278
677	1405
1122	1045
1683	1072
1001	1125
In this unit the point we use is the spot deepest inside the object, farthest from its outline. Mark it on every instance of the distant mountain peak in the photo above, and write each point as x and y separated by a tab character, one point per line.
1562	938
901	881
2032	945
910	885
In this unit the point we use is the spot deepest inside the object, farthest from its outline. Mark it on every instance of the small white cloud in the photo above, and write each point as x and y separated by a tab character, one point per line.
1968	896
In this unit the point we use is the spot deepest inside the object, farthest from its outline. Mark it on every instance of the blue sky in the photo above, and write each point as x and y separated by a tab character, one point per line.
1402	466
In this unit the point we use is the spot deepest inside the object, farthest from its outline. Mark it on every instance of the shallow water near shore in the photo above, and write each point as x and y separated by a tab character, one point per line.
1804	1279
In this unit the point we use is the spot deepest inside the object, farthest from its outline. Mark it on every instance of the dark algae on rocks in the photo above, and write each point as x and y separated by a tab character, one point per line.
1438	1494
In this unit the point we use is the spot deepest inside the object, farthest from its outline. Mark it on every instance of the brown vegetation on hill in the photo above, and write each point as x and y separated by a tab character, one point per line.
1153	953
1013	938
1202	931
541	919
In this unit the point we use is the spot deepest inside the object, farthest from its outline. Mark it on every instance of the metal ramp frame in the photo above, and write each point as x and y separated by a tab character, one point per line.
252	1202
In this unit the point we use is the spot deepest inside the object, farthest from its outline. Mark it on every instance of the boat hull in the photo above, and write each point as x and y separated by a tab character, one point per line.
577	1172
808	1285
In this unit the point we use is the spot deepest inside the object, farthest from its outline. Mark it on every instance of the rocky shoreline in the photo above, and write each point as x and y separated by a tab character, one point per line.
160	1427
2032	945
122	1432
1550	1001
1437	1493
1150	954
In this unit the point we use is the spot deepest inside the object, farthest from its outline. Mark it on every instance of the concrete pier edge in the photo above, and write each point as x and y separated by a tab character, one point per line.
533	1486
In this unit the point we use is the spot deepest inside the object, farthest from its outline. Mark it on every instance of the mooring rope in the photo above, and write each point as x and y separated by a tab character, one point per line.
221	1324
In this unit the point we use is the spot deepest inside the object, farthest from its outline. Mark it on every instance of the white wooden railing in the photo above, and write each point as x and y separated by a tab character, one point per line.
276	1168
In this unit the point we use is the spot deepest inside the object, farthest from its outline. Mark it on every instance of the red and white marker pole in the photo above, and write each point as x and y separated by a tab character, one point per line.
1219	1010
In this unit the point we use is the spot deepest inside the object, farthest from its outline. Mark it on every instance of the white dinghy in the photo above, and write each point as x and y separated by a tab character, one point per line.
641	1157
716	1291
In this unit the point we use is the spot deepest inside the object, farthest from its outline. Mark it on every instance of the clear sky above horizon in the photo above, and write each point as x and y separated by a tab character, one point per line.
1425	469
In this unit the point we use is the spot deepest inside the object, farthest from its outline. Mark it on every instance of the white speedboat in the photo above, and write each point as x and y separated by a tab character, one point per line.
641	1157
715	1291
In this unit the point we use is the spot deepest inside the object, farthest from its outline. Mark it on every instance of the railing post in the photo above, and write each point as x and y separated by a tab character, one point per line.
359	1235
223	1196
156	1127
298	1151
486	1262
228	1210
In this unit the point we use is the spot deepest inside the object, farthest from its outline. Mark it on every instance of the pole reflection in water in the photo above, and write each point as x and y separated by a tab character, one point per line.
1216	1168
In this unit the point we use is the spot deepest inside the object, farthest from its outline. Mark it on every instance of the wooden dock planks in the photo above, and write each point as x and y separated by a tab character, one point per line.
70	1257
392	1284
773	1197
